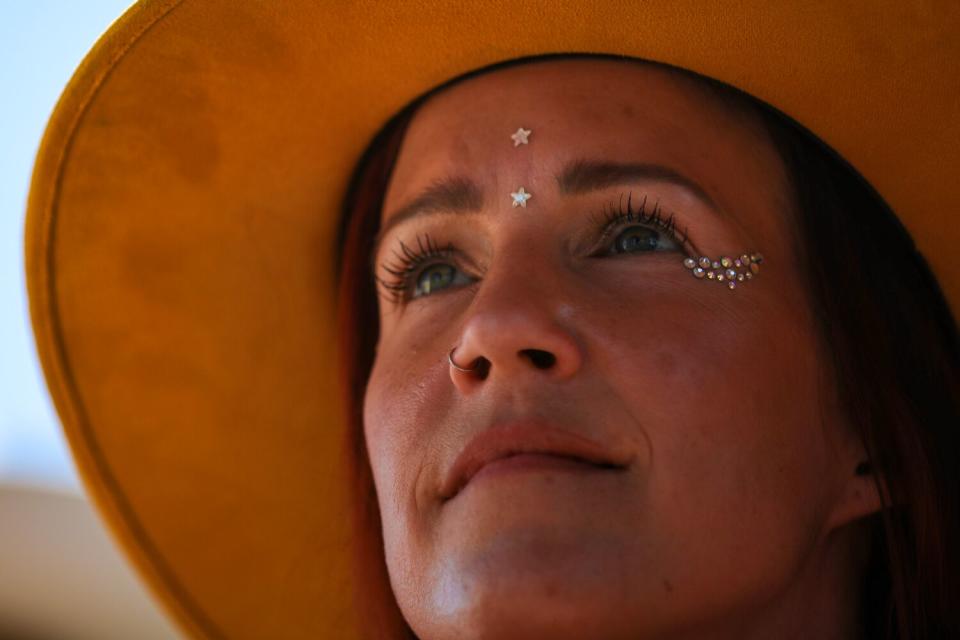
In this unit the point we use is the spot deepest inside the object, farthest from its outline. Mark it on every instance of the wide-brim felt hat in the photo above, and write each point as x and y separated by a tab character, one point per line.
182	222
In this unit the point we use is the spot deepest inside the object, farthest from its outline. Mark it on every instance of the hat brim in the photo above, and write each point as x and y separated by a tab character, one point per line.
182	219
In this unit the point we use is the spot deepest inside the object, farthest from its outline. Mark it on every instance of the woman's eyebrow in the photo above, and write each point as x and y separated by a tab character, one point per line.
453	195
581	176
459	195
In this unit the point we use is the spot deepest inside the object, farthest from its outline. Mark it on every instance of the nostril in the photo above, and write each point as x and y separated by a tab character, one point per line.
483	368
540	359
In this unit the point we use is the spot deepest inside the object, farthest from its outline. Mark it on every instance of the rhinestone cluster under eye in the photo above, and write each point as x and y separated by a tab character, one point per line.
725	269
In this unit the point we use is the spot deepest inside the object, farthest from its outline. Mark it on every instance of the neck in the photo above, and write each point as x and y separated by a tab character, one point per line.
822	602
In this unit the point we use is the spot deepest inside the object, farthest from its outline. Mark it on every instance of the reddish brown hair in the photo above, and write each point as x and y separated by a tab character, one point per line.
357	328
894	347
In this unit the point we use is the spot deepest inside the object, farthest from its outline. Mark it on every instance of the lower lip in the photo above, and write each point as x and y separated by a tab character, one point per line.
536	462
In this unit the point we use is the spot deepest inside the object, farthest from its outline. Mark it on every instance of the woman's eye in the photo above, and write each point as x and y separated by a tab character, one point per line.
434	278
637	239
408	273
633	239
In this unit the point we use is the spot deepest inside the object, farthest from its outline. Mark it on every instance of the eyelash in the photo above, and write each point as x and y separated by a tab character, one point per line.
409	266
609	220
613	220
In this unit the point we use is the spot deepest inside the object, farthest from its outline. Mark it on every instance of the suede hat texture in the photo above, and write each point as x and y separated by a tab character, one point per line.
182	217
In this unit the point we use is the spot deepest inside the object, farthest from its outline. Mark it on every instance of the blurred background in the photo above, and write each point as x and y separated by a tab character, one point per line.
61	575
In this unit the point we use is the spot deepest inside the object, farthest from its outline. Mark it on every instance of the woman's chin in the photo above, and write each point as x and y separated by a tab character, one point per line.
532	584
534	560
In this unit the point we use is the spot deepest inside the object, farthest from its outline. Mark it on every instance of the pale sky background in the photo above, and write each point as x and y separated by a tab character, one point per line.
41	43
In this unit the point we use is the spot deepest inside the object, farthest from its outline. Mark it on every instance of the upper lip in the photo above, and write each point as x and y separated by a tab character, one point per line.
526	436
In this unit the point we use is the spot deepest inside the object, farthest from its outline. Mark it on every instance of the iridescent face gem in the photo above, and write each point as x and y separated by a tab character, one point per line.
520	198
725	269
520	137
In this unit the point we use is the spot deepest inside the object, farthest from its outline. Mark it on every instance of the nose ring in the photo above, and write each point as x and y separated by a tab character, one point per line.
458	367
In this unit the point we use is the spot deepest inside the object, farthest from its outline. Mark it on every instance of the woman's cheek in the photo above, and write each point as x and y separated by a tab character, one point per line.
402	401
404	398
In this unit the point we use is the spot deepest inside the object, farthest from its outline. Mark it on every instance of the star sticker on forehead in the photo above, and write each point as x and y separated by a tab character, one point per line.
520	137
520	198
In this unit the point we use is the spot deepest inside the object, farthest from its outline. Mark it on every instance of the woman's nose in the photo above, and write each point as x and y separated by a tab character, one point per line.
517	325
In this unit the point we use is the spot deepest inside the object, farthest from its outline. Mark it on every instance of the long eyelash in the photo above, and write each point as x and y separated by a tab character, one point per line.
408	263
611	218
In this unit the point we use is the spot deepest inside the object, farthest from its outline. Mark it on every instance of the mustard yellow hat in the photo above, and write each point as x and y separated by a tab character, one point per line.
181	227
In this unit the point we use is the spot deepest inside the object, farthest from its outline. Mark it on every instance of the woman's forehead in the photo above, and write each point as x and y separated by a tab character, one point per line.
590	109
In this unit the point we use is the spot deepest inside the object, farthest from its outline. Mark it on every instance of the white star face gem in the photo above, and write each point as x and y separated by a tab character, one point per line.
520	198
520	137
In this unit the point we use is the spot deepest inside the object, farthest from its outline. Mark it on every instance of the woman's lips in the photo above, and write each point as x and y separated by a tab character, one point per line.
537	446
537	462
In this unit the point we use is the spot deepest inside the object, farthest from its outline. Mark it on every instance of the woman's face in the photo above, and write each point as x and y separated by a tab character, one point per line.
733	466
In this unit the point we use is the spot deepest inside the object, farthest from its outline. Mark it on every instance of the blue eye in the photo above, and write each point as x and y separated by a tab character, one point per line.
411	273
434	278
640	232
431	268
636	240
